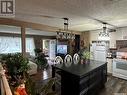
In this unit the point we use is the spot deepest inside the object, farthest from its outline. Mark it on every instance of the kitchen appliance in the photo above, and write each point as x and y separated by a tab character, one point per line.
120	68
99	50
120	65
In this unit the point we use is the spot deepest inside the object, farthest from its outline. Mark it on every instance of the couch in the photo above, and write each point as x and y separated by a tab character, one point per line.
33	68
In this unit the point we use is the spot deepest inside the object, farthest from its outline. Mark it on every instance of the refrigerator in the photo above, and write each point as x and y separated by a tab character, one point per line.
99	50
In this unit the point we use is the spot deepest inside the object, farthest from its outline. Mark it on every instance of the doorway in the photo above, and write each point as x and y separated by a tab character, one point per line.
49	48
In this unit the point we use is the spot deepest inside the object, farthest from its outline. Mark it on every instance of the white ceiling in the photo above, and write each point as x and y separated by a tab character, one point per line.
81	13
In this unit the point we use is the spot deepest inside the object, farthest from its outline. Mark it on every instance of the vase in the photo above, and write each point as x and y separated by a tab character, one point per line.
87	61
82	61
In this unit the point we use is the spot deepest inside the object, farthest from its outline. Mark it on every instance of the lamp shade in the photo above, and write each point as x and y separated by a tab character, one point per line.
105	38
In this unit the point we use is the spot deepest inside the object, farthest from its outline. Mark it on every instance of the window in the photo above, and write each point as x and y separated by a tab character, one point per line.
13	45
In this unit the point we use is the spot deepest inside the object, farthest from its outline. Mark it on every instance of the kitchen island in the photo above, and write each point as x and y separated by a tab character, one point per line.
82	79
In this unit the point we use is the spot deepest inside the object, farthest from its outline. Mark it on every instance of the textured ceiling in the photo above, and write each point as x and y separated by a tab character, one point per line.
81	13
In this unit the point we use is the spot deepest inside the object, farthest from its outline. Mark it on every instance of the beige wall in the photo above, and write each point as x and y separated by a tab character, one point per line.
120	34
85	37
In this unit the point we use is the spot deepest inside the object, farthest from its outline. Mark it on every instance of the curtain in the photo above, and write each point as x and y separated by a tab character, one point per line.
13	45
30	46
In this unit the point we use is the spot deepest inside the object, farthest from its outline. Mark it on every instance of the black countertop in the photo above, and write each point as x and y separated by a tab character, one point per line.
80	69
109	57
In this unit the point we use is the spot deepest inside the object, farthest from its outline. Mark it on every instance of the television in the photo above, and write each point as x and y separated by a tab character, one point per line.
62	49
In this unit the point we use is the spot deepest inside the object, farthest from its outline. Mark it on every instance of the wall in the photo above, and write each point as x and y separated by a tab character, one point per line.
120	34
85	36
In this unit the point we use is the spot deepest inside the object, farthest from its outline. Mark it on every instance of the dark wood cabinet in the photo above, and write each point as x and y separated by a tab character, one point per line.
87	80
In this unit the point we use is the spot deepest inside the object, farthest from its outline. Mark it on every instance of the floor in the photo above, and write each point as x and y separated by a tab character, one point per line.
113	86
42	75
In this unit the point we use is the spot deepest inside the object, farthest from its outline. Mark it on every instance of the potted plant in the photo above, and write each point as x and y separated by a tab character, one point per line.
16	64
41	59
37	51
86	56
16	67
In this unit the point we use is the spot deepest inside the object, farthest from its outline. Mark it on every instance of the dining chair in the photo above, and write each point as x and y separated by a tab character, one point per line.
76	58
68	60
58	60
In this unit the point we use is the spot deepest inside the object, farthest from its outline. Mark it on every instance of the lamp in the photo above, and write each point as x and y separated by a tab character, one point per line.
64	34
104	35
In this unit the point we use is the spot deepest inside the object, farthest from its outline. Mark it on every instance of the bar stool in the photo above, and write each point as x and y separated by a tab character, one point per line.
76	58
68	60
58	60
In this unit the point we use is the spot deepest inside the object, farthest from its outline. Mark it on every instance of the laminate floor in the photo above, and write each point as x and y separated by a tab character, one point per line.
113	86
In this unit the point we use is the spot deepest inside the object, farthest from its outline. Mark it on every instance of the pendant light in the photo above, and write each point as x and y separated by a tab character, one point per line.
64	34
104	35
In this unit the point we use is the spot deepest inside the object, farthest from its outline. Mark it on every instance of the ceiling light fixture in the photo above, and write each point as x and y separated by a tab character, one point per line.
104	35
64	34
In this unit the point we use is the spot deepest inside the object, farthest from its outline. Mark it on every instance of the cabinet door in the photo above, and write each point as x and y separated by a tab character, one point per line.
104	73
83	85
109	65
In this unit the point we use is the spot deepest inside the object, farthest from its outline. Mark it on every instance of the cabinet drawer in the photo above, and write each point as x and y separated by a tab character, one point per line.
84	83
84	91
84	79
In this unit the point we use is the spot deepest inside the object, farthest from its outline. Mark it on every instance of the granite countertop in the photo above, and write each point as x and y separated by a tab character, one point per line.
80	69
